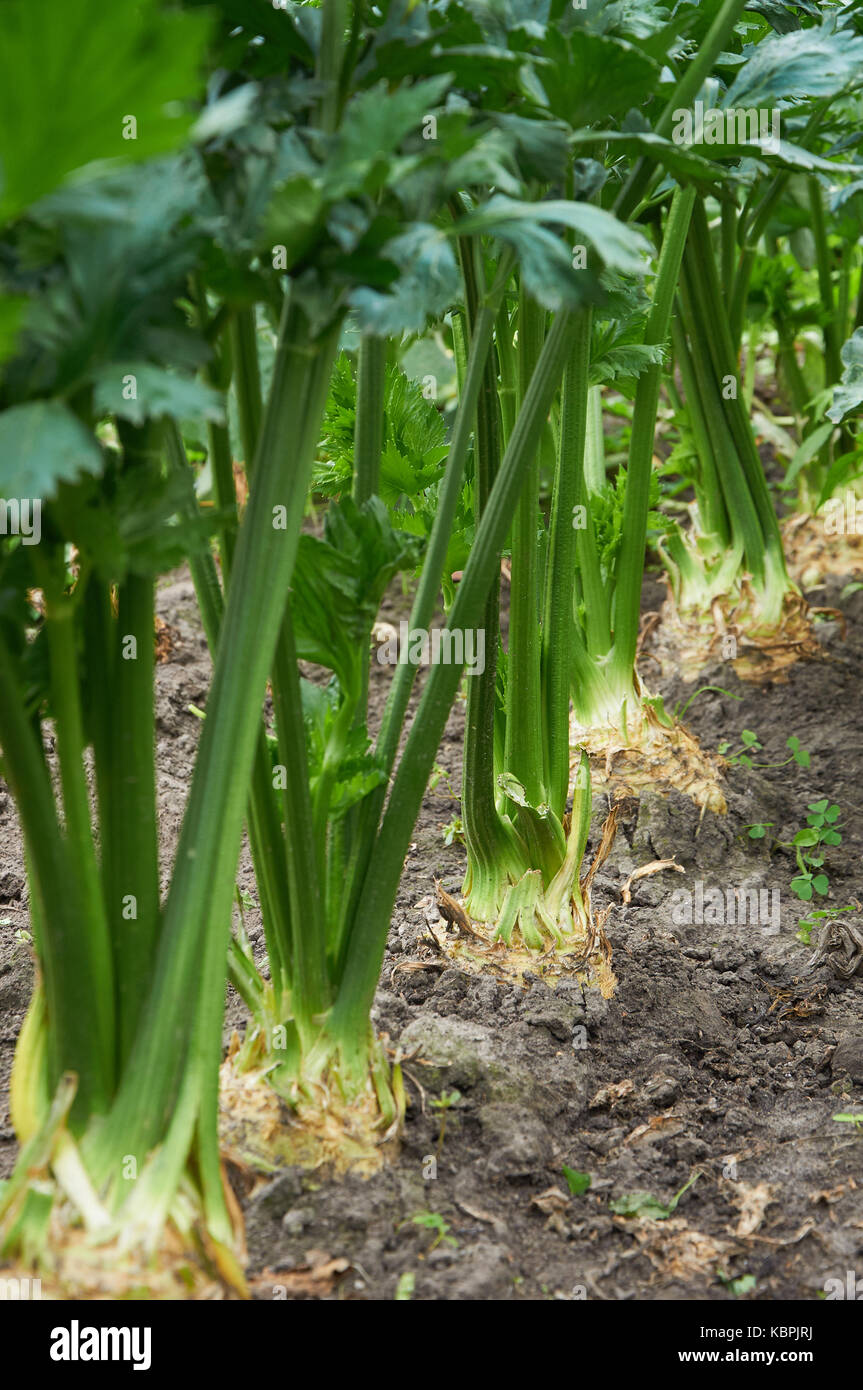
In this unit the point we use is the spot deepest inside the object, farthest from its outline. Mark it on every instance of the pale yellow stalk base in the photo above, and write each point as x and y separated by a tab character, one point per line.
76	1264
312	1125
652	756
686	643
581	952
812	555
85	1251
478	952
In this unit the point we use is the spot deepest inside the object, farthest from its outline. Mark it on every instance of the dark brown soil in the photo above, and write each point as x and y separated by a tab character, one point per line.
718	1054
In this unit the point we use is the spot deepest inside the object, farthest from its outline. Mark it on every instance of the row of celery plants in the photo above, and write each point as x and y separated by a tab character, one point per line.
314	199
129	1089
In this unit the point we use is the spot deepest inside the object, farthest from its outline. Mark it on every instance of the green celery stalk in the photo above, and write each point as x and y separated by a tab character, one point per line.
346	1030
558	627
197	913
630	560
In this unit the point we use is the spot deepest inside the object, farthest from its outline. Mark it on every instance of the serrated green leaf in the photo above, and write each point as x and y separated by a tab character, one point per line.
121	249
628	360
42	444
595	77
358	770
374	125
139	391
540	148
849	396
810	62
619	246
425	288
338	583
139	525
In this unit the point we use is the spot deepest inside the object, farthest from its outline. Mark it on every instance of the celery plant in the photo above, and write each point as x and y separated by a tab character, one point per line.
126	1092
98	334
732	559
342	881
523	866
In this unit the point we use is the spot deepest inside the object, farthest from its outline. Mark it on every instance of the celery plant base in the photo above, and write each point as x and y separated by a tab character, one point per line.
58	1229
735	629
537	928
186	1266
584	955
308	1113
515	918
812	553
656	752
148	1236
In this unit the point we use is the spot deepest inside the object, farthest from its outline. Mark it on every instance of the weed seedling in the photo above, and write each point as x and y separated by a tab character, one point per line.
645	1204
453	831
680	708
855	1120
820	830
812	919
578	1183
433	1221
741	756
443	1103
744	1283
439	774
759	829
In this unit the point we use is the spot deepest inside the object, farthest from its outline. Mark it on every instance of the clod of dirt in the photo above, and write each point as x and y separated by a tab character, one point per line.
483	1271
848	1056
692	1016
519	1142
558	1010
11	887
467	1056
